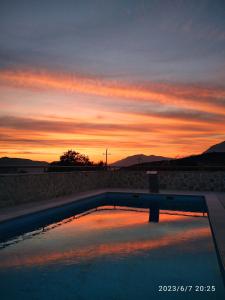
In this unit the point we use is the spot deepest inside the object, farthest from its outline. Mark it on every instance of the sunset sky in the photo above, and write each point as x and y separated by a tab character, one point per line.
132	76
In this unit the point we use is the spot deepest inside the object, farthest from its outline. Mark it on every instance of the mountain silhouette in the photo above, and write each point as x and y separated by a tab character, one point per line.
10	161
138	159
220	147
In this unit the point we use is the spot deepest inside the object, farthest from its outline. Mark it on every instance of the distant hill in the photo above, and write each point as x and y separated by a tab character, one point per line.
211	159
137	159
216	148
9	161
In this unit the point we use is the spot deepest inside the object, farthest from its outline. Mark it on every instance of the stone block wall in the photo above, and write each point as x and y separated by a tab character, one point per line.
170	180
193	180
22	188
15	189
128	179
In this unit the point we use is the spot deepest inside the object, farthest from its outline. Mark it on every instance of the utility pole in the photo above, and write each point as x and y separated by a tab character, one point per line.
106	156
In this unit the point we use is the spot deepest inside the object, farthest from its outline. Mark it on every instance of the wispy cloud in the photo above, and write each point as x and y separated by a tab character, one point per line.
201	98
93	128
134	115
21	134
136	76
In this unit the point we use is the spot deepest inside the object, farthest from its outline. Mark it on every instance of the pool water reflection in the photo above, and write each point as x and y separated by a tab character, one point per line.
112	254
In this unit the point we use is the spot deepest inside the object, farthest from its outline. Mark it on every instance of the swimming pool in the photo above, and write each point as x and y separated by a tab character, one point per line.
32	221
112	254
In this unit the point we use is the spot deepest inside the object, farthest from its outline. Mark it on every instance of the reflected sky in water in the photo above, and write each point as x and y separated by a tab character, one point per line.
108	244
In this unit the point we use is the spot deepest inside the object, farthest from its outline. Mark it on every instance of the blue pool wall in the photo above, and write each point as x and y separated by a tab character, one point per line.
38	220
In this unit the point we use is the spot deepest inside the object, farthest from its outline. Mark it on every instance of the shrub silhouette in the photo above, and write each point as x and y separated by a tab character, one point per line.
73	158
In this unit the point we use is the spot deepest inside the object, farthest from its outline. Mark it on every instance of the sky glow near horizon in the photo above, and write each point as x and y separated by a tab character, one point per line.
133	76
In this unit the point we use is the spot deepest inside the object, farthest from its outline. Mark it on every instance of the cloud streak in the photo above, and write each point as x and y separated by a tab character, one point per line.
22	134
136	76
109	113
208	99
92	128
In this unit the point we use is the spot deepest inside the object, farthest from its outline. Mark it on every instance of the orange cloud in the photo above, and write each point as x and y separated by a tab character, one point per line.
154	118
201	98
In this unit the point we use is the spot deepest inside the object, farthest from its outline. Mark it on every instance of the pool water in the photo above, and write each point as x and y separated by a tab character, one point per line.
112	254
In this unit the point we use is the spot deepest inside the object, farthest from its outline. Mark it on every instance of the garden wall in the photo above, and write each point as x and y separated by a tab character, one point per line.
21	188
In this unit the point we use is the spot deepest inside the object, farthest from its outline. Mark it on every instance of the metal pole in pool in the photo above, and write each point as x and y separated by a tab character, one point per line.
153	181
154	212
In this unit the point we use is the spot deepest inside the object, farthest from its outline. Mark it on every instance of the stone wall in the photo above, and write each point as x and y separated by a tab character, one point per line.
128	179
15	189
171	180
193	180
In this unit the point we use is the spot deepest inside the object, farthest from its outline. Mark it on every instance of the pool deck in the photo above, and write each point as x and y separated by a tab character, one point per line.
215	204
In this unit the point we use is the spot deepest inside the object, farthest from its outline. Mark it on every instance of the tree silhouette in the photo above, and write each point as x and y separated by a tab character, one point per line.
73	158
100	163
